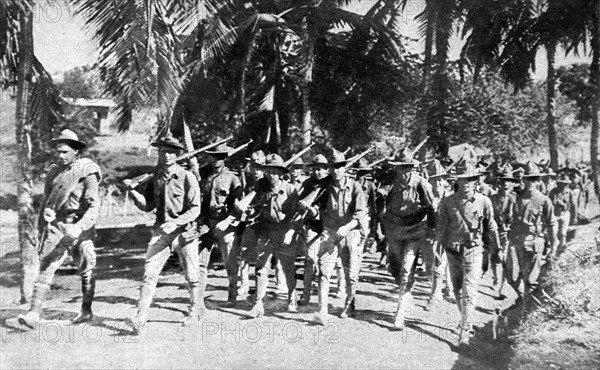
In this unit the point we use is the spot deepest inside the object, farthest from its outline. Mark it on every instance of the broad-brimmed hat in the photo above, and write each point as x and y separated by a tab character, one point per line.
467	171
168	141
70	138
337	158
403	158
435	169
298	164
482	167
222	151
275	161
318	160
532	170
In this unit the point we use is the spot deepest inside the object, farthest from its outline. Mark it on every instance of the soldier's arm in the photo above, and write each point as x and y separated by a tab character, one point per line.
192	200
441	222
91	202
145	201
549	221
572	207
489	225
427	203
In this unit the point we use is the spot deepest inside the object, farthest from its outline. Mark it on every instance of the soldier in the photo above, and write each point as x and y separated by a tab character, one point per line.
248	238
174	193
340	208
565	210
366	182
437	180
504	209
409	221
276	202
533	212
66	224
313	226
221	188
464	218
297	176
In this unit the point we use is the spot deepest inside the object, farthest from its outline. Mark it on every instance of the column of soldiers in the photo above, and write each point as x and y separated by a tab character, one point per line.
457	220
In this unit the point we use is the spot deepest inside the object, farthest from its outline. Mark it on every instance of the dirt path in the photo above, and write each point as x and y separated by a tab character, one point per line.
227	338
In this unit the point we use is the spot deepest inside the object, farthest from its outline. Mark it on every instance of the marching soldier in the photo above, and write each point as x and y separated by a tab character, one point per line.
409	221
66	223
174	193
437	180
565	210
533	213
504	209
340	208
465	217
276	202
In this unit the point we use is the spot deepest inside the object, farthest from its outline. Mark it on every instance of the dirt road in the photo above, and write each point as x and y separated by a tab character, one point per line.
227	338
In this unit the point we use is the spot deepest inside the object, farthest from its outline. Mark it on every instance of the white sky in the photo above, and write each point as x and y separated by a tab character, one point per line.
61	43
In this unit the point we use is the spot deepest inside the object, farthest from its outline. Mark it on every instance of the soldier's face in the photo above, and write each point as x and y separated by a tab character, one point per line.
273	174
531	184
257	172
467	186
66	154
507	186
404	172
339	172
320	172
437	183
166	156
296	174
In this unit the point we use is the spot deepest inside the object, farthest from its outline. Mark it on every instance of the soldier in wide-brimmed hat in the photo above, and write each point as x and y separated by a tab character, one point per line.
66	224
341	208
464	219
174	193
565	209
534	216
409	221
276	204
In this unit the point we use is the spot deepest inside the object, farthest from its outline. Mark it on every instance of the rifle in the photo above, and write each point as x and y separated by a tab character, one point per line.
138	180
244	203
355	159
419	146
240	148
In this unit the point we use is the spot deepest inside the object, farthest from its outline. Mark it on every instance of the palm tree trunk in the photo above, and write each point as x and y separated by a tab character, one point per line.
27	229
551	105
595	77
306	83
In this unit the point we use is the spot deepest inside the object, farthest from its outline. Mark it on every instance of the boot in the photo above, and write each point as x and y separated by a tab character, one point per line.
404	299
341	283
293	302
245	280
349	308
137	322
194	317
258	310
32	318
232	293
88	288
322	316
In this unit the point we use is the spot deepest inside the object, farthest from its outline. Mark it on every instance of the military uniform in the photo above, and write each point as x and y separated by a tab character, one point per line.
220	190
409	221
565	210
71	194
174	193
463	221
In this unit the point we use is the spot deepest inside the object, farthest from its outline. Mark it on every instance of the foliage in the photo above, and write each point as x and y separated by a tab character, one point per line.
81	82
575	84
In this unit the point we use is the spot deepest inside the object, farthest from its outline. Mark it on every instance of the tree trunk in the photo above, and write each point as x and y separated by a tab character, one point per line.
306	83
27	229
595	77
551	105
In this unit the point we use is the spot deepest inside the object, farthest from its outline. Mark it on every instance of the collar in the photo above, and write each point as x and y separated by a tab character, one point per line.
412	181
175	171
344	185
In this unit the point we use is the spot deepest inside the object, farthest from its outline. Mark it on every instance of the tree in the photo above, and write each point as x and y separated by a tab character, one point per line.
37	114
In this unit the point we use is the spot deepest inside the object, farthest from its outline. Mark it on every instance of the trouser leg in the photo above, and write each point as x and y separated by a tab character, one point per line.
85	256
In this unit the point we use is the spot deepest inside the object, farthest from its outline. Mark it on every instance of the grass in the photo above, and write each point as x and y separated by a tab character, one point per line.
562	328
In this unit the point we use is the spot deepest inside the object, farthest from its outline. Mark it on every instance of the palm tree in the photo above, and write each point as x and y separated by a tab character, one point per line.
37	113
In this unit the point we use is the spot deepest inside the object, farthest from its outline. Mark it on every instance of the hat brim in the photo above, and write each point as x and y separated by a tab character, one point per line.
158	144
75	144
402	164
470	176
220	155
318	164
540	175
283	168
438	175
561	181
508	179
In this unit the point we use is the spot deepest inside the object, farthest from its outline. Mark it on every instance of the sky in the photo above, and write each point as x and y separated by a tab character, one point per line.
62	44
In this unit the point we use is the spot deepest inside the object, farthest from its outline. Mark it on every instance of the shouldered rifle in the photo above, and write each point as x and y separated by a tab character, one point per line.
295	157
357	157
138	180
240	148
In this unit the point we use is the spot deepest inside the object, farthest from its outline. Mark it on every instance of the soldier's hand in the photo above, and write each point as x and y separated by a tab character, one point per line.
49	215
168	227
72	231
289	236
341	232
223	225
303	205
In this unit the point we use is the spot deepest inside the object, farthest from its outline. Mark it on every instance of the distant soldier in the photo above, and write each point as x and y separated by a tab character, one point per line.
297	176
534	214
174	193
341	209
276	203
220	188
367	183
66	223
504	210
409	221
565	210
465	217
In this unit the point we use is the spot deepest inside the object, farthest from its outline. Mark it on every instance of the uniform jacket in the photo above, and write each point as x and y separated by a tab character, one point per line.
220	190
